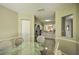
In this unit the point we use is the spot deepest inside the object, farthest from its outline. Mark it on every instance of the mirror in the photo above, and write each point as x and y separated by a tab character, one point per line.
48	27
67	26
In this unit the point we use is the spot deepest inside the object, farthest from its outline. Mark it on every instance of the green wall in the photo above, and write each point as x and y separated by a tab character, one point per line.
66	44
77	30
8	29
8	22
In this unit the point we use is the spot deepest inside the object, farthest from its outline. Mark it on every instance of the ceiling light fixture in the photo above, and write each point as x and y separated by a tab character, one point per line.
47	20
41	9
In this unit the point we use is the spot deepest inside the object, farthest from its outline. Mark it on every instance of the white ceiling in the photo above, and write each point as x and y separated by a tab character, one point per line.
47	13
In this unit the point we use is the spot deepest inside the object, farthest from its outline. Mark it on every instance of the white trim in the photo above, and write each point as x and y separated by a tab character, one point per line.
73	41
9	38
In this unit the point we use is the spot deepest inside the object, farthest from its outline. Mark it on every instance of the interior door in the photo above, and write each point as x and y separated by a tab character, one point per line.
26	36
26	30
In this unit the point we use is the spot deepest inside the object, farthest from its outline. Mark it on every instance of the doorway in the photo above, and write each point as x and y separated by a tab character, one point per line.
25	31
